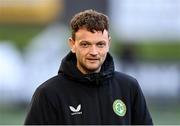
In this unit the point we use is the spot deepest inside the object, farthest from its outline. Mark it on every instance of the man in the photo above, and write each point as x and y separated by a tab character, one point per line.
87	89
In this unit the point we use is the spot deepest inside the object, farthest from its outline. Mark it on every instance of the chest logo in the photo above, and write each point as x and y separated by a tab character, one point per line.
119	107
75	111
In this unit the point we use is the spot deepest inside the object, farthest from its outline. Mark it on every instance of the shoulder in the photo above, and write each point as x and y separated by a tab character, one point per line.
124	77
126	80
48	91
50	85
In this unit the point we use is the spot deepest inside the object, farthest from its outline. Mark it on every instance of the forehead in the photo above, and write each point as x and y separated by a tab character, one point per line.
84	34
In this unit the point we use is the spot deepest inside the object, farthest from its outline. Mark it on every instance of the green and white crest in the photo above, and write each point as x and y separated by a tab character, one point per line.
119	107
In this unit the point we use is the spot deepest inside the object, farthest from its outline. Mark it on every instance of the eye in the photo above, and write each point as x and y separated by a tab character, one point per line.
84	44
101	44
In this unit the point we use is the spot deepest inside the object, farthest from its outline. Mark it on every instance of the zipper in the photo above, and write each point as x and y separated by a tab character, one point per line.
99	104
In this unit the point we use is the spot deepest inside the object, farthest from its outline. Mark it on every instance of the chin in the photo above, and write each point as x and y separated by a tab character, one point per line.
93	70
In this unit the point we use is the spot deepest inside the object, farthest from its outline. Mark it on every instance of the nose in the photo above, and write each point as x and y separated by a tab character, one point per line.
93	50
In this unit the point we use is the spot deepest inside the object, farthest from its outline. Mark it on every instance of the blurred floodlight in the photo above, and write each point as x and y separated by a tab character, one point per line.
146	19
43	56
11	72
29	11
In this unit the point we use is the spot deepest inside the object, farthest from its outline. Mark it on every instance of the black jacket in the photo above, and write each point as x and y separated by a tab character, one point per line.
107	97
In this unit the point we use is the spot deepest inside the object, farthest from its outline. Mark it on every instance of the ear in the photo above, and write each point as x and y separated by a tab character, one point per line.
109	43
71	43
109	40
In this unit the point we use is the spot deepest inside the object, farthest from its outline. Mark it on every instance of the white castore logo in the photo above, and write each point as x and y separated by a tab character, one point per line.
75	111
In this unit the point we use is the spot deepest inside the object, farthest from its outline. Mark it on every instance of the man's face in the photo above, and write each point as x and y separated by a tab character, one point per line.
90	49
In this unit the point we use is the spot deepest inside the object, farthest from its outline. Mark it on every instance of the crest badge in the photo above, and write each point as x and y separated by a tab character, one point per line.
119	107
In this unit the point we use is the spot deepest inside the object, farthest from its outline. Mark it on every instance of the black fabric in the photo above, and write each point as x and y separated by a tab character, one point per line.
90	95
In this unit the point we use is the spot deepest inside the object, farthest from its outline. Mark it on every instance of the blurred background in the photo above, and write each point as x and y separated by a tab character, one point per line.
145	44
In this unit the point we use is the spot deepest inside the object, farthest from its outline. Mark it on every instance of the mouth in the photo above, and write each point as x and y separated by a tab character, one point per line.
93	59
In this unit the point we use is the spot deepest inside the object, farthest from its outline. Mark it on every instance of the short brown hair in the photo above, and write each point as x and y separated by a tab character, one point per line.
91	20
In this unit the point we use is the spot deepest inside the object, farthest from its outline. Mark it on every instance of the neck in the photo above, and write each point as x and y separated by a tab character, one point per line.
86	71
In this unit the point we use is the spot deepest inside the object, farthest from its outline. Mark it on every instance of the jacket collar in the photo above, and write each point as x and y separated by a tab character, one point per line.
68	68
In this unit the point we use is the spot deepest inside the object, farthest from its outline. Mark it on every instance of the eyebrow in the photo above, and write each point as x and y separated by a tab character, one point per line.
84	41
87	42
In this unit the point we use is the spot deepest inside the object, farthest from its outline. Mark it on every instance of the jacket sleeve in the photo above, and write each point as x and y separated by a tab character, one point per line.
41	110
140	112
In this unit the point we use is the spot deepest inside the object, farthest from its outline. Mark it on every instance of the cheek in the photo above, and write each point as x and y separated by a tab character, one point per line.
80	54
107	48
82	51
104	51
